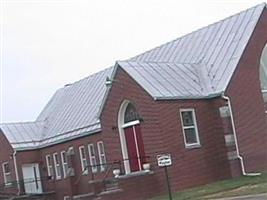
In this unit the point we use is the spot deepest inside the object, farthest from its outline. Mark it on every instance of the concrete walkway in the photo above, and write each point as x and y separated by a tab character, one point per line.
249	197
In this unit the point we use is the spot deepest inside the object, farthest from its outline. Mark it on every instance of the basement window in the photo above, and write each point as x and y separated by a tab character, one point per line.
102	156
189	125
7	173
57	166
49	166
92	157
83	159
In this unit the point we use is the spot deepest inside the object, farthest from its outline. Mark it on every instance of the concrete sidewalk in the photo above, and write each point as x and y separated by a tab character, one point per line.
248	197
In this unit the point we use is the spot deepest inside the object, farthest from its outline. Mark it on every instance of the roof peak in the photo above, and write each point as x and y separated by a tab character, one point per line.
87	77
197	30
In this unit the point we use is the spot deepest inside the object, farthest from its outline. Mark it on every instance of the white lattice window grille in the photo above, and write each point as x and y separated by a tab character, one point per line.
64	163
83	160
189	126
49	166
92	156
57	166
102	155
7	173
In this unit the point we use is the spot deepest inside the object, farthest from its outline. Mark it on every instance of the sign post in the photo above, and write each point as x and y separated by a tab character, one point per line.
165	161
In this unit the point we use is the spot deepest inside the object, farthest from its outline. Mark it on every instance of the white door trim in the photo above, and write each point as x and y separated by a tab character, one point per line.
137	149
132	123
31	173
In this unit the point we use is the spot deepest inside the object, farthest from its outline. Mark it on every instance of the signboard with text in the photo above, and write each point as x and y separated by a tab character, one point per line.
164	160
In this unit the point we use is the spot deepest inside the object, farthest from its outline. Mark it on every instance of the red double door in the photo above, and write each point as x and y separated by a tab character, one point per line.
135	147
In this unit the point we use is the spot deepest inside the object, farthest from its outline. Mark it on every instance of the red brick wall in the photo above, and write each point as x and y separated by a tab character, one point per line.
6	155
247	102
136	188
125	88
64	186
162	133
27	157
201	165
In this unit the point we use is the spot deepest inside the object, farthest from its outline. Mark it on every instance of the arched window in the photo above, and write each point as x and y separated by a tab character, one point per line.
130	114
263	73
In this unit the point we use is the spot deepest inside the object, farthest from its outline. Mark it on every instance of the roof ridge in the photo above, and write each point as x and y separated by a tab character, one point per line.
199	29
183	63
87	77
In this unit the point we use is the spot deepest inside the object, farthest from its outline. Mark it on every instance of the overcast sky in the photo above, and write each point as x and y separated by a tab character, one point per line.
46	44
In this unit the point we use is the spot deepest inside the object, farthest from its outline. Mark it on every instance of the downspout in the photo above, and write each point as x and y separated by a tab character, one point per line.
16	171
236	142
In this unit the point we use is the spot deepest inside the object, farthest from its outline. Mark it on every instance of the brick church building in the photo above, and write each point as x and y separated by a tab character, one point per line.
200	98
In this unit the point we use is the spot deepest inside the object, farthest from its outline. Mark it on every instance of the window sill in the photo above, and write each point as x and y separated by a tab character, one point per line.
8	185
193	146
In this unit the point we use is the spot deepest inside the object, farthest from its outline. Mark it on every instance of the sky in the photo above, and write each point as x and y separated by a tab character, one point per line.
46	44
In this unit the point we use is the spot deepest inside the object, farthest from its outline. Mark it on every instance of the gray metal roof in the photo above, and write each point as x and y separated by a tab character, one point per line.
72	112
26	134
208	56
171	80
198	65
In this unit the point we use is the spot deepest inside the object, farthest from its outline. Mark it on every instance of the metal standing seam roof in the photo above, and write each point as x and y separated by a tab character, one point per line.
72	112
197	65
170	80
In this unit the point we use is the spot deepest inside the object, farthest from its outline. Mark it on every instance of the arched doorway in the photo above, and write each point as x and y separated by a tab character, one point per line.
263	73
131	138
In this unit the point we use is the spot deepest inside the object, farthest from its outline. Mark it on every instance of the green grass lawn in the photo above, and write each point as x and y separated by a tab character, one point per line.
228	188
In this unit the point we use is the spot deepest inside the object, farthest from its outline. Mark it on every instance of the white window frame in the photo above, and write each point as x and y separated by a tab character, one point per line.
83	160
190	145
49	167
6	173
57	165
66	197
92	156
64	163
101	156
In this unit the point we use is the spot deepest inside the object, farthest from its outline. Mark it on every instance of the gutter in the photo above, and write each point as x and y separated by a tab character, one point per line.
244	173
208	96
16	171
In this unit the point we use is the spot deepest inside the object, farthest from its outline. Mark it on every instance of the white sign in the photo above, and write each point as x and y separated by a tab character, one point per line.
164	160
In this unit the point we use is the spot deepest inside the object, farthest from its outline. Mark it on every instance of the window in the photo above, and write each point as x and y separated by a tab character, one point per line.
83	160
263	73
102	156
67	198
57	166
93	163
130	114
49	166
7	173
64	163
189	124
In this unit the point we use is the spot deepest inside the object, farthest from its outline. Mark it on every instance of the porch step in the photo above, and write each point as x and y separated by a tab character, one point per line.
107	192
84	196
111	184
4	197
42	196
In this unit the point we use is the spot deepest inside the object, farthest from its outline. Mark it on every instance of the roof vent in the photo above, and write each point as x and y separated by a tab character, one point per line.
108	82
69	84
